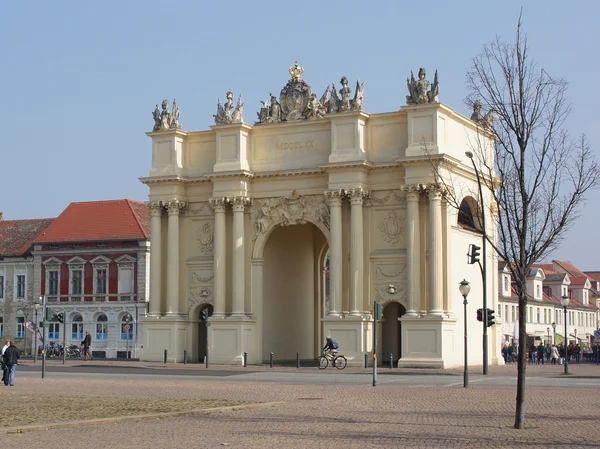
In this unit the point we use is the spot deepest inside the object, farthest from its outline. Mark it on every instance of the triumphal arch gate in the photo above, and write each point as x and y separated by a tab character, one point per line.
287	230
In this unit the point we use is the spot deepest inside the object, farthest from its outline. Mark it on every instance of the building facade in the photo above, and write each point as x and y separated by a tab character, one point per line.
546	285
92	266
290	229
16	278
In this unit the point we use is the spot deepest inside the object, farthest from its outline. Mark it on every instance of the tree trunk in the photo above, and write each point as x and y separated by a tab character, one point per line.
521	363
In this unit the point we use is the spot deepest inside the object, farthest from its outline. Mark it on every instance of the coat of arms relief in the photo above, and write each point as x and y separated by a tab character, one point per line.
289	210
204	238
200	287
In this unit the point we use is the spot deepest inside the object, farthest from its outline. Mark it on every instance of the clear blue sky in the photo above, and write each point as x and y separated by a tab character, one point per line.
79	80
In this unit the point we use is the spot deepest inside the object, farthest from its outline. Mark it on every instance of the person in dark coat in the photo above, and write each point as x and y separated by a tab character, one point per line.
11	356
87	344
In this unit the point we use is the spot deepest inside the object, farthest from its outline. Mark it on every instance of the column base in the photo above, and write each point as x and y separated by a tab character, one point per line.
354	334
230	337
164	332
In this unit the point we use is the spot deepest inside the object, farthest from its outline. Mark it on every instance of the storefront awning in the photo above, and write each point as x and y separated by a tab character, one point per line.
559	339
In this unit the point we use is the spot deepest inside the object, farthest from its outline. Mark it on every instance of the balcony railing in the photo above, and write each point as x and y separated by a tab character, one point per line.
100	298
75	299
51	299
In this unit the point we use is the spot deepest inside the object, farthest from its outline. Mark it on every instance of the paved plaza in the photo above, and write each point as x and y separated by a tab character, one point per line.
272	415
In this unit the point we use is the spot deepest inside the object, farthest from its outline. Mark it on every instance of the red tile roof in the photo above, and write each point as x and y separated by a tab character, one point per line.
98	221
17	236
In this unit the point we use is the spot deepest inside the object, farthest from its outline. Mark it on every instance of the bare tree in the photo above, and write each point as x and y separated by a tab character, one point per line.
536	175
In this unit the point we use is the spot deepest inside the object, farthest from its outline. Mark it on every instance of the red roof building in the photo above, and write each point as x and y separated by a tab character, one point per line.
92	266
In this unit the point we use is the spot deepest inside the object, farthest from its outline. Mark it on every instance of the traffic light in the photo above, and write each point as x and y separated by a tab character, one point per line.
474	254
204	315
49	314
479	314
490	317
60	317
378	311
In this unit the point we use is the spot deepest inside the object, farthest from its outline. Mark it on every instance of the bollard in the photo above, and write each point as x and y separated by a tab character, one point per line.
391	360
245	359
297	360
366	361
271	360
165	357
185	356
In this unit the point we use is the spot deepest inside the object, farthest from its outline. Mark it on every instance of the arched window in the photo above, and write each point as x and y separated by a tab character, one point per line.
469	214
77	327
102	327
126	327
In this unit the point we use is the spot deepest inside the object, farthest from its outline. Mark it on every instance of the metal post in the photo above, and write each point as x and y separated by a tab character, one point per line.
366	360
466	372
375	306
271	360
64	326
206	348
185	356
391	360
35	328
297	360
566	344
43	336
245	359
165	358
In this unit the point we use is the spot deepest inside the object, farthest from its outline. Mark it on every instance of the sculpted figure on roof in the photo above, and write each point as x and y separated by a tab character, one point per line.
418	89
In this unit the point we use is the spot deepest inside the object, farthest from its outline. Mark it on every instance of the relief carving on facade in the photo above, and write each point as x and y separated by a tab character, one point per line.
392	196
204	238
200	290
398	293
391	274
289	210
175	207
156	207
391	228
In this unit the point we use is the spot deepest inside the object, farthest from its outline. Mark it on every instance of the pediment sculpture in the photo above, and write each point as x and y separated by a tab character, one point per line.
487	120
419	91
228	113
165	119
298	102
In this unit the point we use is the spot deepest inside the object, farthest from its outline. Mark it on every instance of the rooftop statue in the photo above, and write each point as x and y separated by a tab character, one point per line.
297	101
164	119
418	89
486	121
227	113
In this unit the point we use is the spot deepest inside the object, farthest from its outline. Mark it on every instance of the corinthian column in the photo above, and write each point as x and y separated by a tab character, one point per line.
156	209
335	249
356	250
218	206
238	273
413	248
435	251
174	208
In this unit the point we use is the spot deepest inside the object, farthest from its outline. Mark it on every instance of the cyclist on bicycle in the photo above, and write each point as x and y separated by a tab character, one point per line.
331	345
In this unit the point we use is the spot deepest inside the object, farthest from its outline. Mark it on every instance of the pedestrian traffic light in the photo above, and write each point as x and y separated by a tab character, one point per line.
49	314
474	254
490	317
60	317
204	315
479	314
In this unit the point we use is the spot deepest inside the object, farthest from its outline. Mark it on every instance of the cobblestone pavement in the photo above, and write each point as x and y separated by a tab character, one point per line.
322	416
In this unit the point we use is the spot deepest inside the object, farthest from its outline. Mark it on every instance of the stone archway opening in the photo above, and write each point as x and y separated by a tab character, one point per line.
202	330
292	300
391	334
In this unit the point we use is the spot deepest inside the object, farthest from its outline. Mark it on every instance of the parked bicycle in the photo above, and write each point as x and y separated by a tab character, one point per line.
338	361
54	350
74	352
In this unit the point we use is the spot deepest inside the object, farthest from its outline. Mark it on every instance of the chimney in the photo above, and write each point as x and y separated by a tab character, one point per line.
1	218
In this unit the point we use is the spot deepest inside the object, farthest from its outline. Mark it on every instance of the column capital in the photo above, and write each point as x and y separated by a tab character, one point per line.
334	197
174	207
218	204
357	196
435	192
239	203
156	208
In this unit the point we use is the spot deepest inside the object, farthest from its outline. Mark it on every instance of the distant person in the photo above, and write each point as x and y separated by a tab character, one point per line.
87	346
540	353
554	354
4	348
331	345
10	357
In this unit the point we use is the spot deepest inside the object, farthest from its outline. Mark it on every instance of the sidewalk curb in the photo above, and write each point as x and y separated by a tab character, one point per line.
95	421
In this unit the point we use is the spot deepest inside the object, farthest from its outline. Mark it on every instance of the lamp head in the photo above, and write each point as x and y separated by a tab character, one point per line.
564	301
469	154
37	306
554	326
464	287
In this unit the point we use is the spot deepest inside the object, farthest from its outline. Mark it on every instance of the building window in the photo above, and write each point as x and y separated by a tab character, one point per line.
52	283
20	286
538	292
127	328
505	313
77	328
1	326
53	331
76	282
101	282
1	287
538	314
506	286
20	327
465	215
102	328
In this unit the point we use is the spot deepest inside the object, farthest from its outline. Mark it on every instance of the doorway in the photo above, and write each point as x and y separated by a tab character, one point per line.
202	331
391	333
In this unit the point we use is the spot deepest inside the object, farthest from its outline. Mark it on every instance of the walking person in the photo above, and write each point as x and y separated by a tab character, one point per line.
4	348
540	353
554	354
11	356
87	345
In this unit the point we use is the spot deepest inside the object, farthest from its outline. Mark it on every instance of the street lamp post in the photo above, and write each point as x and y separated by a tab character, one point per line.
36	307
554	336
548	330
127	337
564	301
465	288
469	154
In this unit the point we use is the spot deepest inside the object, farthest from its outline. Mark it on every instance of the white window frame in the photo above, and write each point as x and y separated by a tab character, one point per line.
101	328
52	264
77	325
76	264
20	272
124	334
53	331
126	263
20	320
98	264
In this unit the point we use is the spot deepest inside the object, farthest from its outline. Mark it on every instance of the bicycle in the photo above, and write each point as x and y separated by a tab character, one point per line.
338	361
